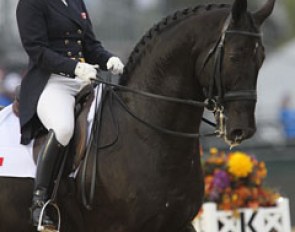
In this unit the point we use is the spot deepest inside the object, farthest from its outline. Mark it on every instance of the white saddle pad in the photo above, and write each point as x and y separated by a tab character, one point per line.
16	160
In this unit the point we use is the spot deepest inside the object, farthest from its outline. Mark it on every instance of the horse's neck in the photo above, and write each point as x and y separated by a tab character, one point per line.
168	68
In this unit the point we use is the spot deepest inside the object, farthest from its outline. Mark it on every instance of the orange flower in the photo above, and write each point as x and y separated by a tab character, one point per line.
253	204
208	184
226	203
244	192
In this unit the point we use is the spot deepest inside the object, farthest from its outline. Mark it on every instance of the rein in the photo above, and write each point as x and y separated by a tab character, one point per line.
159	97
189	102
158	128
212	103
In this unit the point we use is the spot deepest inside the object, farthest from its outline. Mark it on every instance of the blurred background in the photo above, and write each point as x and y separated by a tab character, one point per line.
121	24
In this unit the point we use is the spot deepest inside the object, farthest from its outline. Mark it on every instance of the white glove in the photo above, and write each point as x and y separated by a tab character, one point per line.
85	71
115	65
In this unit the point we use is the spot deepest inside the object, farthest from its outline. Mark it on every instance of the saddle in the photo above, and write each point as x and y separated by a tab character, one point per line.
77	146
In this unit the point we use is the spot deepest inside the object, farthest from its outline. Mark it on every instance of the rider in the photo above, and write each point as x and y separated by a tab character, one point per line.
63	56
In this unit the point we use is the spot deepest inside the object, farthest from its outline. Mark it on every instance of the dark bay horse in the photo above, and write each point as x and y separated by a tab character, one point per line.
150	181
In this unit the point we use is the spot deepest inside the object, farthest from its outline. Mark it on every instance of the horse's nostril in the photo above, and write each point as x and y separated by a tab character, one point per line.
241	134
237	133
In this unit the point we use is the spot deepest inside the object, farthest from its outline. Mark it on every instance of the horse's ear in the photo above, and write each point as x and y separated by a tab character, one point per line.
264	12
238	9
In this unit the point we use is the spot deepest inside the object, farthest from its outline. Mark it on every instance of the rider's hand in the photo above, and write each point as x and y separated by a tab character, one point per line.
115	65
85	71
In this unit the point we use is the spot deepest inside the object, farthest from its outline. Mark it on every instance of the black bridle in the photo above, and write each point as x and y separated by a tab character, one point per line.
216	79
214	103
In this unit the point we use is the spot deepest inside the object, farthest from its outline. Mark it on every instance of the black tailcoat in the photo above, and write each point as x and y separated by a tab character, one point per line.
55	37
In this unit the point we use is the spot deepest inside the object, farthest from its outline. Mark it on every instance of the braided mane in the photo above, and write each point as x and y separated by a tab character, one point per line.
157	29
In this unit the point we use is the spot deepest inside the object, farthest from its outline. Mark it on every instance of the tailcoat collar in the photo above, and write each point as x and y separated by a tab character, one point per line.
71	11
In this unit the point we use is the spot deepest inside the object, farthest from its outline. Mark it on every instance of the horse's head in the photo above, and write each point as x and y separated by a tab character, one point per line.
233	64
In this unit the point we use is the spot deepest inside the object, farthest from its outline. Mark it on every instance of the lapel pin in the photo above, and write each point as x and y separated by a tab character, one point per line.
83	15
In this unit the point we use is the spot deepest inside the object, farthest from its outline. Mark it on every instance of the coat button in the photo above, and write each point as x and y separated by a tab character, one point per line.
67	33
79	31
67	42
69	54
79	42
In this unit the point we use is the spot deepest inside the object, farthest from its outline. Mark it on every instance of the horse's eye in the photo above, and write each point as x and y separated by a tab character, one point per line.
234	59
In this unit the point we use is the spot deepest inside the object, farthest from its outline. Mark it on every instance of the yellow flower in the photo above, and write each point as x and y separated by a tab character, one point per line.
213	151
239	164
235	197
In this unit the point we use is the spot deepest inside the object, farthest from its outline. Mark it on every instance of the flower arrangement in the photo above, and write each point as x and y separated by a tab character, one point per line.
235	180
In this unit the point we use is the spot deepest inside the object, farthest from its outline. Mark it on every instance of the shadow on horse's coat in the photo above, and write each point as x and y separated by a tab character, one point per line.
150	181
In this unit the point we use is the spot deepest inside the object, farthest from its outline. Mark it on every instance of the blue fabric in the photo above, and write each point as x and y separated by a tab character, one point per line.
4	101
288	121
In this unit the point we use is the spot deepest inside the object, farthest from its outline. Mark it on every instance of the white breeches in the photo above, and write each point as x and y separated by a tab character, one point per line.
56	104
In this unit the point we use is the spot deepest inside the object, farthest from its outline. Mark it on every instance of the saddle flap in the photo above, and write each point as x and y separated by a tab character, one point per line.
79	141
